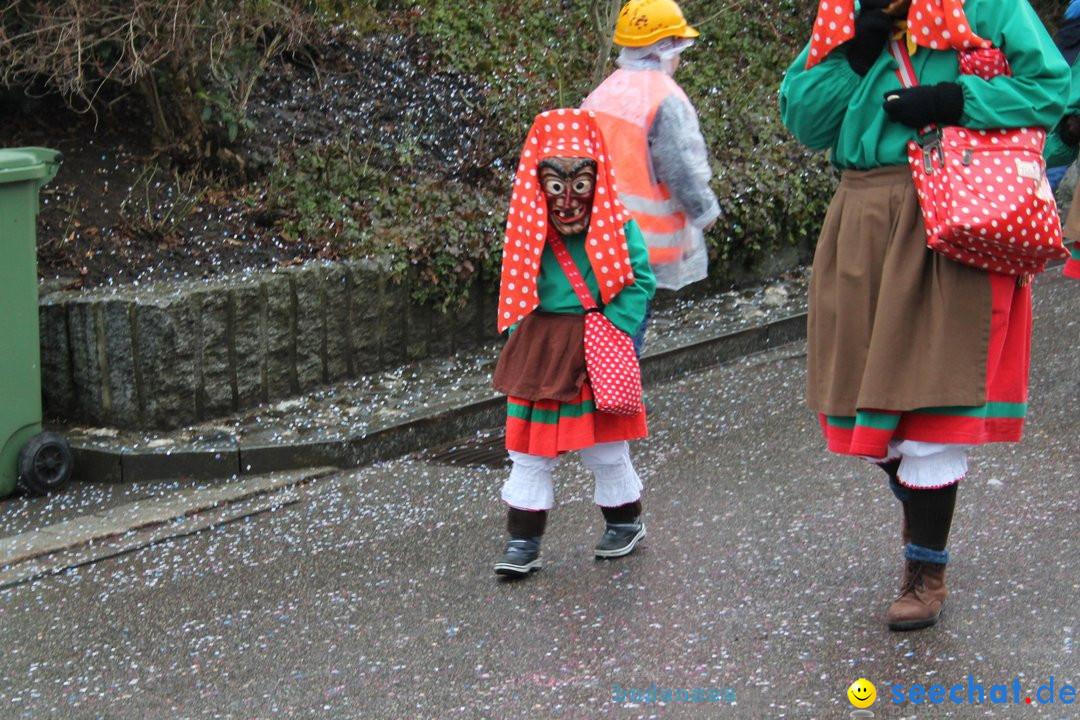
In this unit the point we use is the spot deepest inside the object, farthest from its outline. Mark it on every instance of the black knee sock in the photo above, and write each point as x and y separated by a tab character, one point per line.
930	514
622	514
526	523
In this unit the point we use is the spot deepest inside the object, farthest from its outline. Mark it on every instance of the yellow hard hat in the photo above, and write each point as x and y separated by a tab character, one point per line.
643	22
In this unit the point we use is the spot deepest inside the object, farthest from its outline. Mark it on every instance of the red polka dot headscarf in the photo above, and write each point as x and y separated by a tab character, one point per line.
934	24
570	133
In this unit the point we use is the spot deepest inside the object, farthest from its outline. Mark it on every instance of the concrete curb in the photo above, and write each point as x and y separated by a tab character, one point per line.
233	458
137	524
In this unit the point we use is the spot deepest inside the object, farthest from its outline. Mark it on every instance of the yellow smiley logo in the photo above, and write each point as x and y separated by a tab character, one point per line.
862	693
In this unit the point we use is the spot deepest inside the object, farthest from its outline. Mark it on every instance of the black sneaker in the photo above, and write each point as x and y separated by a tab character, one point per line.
521	557
620	539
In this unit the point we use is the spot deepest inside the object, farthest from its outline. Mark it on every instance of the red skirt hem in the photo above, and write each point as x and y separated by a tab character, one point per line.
553	428
1006	383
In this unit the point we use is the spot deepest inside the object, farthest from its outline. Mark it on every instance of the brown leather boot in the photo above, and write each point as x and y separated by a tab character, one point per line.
921	597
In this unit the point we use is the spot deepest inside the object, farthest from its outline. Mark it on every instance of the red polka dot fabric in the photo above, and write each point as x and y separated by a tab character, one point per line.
612	367
568	132
986	201
611	363
986	63
934	24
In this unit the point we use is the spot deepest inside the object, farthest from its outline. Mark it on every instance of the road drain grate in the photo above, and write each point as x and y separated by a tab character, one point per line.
488	450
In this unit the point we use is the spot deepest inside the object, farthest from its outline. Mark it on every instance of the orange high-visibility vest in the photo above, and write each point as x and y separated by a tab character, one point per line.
625	105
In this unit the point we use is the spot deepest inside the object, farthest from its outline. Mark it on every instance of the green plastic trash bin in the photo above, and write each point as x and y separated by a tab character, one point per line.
40	462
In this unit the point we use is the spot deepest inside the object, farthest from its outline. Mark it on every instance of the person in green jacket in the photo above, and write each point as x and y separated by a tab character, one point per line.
1061	150
1067	40
912	357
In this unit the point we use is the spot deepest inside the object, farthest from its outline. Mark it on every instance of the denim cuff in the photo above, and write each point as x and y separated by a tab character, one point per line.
902	493
925	554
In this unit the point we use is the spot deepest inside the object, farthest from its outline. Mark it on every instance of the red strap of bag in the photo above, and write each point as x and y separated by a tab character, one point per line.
905	71
572	274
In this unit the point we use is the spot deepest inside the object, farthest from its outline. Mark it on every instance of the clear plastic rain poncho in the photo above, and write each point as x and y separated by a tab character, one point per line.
679	159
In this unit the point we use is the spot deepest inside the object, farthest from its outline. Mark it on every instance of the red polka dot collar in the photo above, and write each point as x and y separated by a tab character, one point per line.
934	24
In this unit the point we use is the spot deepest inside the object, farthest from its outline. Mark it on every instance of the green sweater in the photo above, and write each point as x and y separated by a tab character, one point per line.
831	107
626	310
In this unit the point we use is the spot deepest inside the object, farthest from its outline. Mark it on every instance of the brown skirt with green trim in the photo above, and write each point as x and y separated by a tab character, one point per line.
904	343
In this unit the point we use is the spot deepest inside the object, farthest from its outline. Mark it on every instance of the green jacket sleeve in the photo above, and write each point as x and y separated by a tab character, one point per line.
821	96
1056	152
1036	92
627	309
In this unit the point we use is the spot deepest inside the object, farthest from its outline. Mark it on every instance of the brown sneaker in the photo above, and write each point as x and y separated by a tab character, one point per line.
921	597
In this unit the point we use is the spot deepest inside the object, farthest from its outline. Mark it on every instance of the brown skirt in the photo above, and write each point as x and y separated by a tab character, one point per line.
544	359
892	325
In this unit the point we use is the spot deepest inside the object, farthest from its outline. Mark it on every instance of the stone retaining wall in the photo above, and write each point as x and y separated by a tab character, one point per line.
171	355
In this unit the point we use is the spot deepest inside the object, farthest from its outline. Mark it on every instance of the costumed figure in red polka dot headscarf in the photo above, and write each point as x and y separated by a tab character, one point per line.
914	357
564	189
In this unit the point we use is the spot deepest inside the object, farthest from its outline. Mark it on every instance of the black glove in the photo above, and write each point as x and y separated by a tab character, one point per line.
1069	130
872	28
922	105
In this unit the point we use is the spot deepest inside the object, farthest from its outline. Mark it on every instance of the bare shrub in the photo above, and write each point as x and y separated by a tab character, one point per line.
193	62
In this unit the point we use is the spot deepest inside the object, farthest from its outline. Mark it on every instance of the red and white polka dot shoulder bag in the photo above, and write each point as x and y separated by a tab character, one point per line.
610	361
984	195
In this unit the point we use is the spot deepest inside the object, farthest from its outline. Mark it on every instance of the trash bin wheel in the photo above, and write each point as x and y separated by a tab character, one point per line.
45	464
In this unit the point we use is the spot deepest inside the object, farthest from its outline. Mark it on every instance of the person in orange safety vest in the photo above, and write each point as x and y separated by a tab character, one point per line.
658	154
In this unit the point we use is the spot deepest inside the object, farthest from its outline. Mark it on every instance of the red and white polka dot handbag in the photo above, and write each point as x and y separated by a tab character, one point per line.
984	194
610	361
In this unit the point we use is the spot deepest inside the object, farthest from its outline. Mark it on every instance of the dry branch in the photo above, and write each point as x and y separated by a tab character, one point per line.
173	53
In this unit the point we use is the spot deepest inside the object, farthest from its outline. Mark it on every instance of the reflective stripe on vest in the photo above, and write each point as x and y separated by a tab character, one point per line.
625	105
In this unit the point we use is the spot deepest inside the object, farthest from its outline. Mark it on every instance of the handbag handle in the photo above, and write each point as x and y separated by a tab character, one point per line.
572	274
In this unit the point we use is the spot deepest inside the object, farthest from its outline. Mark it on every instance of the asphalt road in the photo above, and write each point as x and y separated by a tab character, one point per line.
764	581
